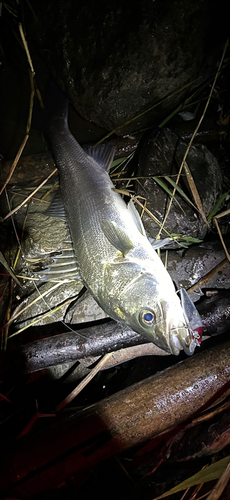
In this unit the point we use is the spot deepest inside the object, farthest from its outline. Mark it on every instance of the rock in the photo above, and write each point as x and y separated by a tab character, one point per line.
39	313
161	154
31	170
115	60
197	262
44	238
43	235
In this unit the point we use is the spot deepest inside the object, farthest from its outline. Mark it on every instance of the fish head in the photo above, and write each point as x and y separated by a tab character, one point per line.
157	312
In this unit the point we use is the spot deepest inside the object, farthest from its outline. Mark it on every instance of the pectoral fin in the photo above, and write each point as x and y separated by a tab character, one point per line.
116	236
159	243
136	217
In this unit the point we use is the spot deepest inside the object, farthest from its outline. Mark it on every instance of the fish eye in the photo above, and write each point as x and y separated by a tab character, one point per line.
147	318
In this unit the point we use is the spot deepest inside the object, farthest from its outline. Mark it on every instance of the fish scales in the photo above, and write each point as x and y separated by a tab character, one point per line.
116	261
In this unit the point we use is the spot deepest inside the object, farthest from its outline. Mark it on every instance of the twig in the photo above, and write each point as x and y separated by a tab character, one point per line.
208	276
93	341
203	496
145	209
109	360
52	311
18	312
5	330
22	235
30	196
15	162
226	212
195	492
4	262
221	239
21	148
194	191
136	351
26	50
220	485
16	193
84	382
212	412
185	493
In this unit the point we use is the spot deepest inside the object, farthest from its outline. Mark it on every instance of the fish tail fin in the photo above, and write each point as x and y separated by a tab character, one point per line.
55	109
55	103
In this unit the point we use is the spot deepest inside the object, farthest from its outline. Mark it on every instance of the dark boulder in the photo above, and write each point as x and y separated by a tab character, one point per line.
161	155
116	59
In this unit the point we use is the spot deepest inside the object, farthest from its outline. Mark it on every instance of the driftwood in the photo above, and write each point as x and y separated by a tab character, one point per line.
41	461
92	341
111	336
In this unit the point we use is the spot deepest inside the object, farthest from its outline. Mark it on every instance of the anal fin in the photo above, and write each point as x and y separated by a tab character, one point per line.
62	264
56	208
136	217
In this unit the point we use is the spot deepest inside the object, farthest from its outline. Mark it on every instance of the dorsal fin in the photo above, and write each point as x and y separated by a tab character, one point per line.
103	154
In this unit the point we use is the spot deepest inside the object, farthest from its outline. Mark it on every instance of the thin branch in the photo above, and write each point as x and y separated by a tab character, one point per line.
194	191
15	162
84	382
52	311
30	196
26	49
221	239
221	485
28	126
208	276
18	312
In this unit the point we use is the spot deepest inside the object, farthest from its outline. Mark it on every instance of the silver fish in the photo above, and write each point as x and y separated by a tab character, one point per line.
116	261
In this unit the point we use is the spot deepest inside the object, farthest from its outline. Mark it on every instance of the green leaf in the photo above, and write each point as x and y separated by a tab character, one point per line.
182	193
121	162
217	206
174	112
32	10
212	472
192	240
118	161
163	185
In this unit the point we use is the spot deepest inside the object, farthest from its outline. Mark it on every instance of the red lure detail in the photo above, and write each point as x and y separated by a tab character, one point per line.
199	330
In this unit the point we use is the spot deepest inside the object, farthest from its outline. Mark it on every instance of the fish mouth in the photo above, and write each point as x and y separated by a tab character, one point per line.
181	338
179	334
178	338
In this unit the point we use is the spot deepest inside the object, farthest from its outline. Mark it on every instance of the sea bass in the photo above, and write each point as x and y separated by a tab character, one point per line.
116	261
